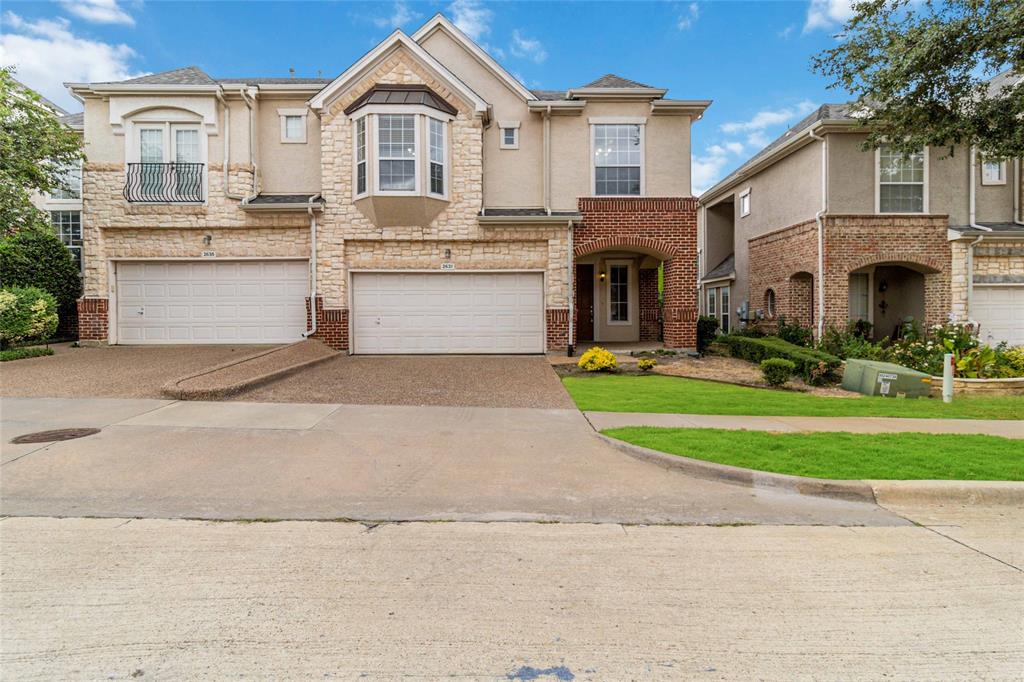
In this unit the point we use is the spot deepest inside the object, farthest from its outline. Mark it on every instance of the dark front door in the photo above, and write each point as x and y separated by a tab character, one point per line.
584	302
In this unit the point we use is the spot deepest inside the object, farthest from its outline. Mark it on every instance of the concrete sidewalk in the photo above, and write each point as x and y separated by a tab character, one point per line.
614	420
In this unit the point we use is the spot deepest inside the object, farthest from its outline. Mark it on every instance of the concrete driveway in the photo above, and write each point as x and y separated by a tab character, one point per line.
236	460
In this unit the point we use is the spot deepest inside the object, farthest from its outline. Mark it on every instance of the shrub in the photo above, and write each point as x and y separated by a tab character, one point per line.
851	343
707	325
812	365
646	364
26	313
22	353
794	333
1012	360
37	258
598	359
777	371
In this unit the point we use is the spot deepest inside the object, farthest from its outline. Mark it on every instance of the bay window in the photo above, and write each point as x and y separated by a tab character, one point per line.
902	181
361	156
396	153
399	154
437	156
617	159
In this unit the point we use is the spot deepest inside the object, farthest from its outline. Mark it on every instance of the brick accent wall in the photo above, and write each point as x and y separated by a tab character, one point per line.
851	242
93	314
558	329
650	311
664	227
331	324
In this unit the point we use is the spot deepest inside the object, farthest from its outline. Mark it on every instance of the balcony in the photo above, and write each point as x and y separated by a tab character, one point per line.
165	183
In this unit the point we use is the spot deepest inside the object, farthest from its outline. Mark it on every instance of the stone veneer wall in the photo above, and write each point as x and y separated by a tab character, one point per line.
995	262
851	242
663	226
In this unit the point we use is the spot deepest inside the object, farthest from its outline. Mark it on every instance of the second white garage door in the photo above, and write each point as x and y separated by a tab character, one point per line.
1000	311
448	312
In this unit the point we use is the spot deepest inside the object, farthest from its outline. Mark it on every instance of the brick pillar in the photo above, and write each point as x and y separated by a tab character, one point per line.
331	324
680	311
650	311
93	314
558	329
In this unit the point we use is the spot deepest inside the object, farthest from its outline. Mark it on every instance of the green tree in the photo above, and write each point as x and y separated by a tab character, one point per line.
920	71
37	258
34	149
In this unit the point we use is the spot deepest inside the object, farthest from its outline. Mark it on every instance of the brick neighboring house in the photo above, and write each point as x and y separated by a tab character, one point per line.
422	201
815	229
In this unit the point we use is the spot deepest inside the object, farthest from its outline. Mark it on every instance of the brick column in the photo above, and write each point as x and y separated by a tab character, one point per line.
650	311
93	315
331	324
558	329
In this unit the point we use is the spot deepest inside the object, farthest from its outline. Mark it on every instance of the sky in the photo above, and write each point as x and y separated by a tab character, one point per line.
751	58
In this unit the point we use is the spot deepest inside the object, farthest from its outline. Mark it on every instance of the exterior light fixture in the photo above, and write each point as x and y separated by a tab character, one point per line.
601	276
207	239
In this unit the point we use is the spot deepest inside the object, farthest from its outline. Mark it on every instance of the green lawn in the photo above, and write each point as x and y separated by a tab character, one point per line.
900	456
619	393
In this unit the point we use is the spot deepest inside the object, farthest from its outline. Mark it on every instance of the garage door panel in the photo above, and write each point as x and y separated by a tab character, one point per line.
205	302
448	312
1000	312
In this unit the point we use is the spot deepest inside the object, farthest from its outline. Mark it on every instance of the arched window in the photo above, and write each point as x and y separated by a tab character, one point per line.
769	303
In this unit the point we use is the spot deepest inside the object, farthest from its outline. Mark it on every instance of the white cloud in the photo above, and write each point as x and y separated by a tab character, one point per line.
471	17
787	32
734	147
529	48
46	54
98	11
401	14
767	118
688	18
825	14
758	139
709	168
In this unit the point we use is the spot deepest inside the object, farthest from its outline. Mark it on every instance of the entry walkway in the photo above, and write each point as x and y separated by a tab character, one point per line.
614	420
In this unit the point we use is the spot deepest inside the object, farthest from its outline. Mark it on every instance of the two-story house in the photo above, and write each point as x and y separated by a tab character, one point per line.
818	230
424	201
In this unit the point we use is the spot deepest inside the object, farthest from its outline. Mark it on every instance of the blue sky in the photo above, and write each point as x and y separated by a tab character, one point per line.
751	58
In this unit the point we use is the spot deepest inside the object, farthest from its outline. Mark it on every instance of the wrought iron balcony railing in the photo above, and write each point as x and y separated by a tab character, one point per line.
164	183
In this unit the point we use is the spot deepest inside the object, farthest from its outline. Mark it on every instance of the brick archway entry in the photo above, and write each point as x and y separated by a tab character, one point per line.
665	228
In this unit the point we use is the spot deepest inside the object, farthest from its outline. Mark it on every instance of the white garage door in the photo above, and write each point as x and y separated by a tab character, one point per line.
211	301
1000	311
448	312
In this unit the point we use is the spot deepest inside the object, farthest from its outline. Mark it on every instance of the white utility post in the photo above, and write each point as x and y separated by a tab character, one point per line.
947	378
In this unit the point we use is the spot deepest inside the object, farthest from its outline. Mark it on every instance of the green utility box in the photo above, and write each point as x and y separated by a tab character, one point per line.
886	379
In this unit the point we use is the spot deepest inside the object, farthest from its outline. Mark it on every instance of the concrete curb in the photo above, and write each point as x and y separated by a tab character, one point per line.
174	390
986	493
857	491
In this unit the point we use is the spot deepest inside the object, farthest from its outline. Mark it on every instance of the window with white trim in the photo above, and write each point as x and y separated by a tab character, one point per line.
745	203
70	185
618	293
901	181
618	159
993	172
437	149
67	225
171	165
713	302
293	125
361	178
724	318
396	152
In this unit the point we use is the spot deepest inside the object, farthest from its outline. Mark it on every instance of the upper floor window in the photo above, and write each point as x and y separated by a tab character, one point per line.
993	172
745	203
293	125
67	225
361	156
509	131
70	188
170	166
902	185
618	159
437	156
396	152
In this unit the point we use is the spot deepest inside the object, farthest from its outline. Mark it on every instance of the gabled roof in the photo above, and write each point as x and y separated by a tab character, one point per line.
189	75
439	22
396	40
610	80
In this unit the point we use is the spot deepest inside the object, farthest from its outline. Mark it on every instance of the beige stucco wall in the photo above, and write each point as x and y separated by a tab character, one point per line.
287	167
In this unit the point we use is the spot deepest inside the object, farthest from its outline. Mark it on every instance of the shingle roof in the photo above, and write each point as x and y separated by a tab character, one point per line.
527	212
281	198
548	95
189	75
73	120
260	80
993	227
610	80
402	94
724	269
1006	79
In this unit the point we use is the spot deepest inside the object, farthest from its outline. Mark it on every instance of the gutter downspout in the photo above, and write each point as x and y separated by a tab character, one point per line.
312	268
249	97
819	219
227	148
1016	194
547	160
572	294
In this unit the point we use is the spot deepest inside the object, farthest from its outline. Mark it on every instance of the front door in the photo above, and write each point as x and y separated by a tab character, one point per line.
585	302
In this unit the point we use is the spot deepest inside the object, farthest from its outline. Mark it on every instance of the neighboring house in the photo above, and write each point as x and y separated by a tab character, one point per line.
933	237
424	201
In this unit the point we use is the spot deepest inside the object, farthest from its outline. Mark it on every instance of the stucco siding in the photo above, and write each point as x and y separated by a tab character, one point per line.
286	167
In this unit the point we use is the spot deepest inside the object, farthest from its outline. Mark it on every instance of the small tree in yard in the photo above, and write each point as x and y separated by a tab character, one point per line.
37	258
35	148
919	71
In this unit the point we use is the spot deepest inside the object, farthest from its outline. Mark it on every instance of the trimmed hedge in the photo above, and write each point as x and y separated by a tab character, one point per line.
26	352
814	366
777	371
707	328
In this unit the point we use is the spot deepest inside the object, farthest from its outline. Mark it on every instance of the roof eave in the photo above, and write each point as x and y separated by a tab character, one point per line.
694	108
100	89
616	93
303	206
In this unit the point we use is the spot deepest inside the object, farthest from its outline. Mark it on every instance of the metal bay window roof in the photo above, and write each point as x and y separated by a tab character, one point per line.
402	94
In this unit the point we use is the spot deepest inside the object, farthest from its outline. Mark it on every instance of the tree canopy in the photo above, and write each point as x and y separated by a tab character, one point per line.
35	149
921	72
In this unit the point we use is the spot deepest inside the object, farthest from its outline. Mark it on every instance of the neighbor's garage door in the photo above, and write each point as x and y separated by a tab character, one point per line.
1000	311
448	312
211	301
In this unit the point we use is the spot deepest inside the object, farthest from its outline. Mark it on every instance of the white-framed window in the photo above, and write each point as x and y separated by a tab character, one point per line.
167	163
361	178
293	125
67	225
509	131
745	203
901	181
724	305
397	140
619	312
617	159
859	296
993	172
70	188
713	302
437	149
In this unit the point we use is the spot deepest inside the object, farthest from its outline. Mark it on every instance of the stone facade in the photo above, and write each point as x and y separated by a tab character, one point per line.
785	261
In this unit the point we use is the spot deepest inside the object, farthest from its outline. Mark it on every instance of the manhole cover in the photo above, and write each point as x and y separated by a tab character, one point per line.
53	436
